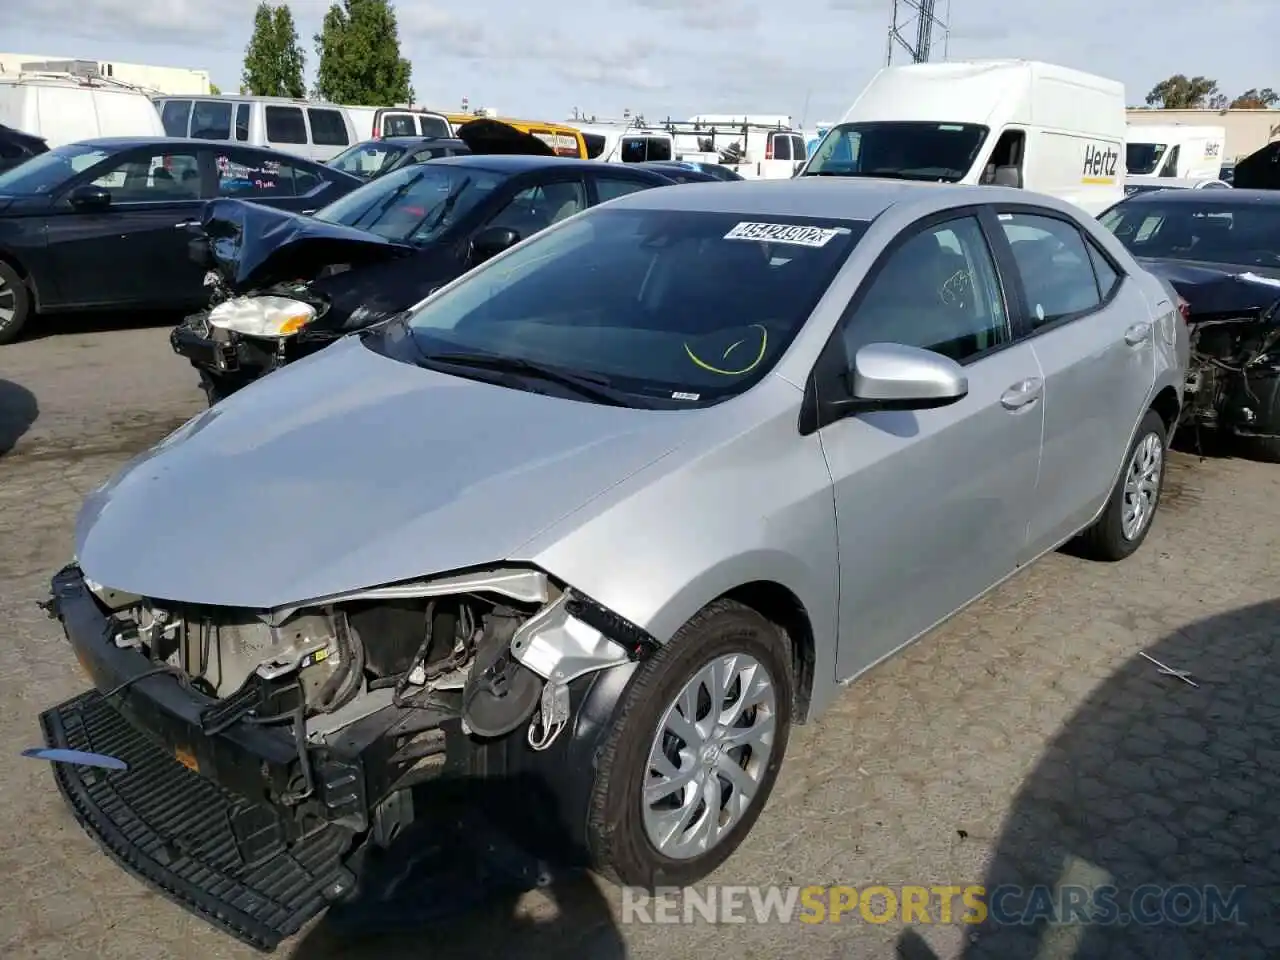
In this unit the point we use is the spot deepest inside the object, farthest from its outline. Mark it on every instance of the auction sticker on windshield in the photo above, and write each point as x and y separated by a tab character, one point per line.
785	233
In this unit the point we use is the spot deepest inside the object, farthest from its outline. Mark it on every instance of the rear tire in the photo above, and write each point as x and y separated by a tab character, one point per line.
1125	522
15	303
628	809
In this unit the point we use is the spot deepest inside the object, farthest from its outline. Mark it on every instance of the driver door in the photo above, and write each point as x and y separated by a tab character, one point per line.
932	505
135	251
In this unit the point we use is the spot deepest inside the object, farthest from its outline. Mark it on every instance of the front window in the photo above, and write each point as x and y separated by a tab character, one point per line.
1142	159
1241	235
415	204
47	171
670	307
367	159
903	150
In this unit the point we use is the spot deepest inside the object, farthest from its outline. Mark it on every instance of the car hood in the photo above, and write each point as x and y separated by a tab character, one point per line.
347	470
251	245
1216	289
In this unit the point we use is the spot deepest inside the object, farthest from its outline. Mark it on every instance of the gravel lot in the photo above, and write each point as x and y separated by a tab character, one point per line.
1023	742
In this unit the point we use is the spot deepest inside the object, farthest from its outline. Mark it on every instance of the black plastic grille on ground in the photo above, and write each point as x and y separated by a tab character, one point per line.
176	830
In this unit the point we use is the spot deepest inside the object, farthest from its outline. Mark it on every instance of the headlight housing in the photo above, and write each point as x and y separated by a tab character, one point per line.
274	317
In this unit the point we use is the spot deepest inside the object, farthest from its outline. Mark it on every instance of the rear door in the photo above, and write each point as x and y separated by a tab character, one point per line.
434	125
135	252
1092	334
399	123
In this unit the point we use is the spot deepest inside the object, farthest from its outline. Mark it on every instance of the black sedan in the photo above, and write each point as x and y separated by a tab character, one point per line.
714	171
17	147
100	224
286	286
1220	250
376	158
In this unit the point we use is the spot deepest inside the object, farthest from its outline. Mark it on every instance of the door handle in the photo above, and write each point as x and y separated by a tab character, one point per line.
186	223
1022	394
1137	334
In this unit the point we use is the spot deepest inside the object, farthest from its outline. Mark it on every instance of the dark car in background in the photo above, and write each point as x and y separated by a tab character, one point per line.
715	171
287	286
17	147
1220	250
375	158
680	174
102	224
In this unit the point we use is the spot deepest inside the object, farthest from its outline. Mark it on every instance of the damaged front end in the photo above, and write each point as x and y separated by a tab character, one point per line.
265	275
269	751
1233	381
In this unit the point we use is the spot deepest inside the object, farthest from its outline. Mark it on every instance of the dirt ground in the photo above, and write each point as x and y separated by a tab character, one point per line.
1025	742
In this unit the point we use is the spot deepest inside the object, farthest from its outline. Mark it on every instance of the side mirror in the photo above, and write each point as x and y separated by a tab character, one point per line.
88	197
891	376
1007	177
491	241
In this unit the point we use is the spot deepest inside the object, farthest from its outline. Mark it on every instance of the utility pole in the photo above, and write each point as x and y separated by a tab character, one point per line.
918	17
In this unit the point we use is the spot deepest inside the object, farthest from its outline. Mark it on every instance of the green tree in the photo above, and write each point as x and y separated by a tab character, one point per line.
1180	92
1255	99
215	89
273	60
359	56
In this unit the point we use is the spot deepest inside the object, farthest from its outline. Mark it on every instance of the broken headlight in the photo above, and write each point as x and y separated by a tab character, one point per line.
273	317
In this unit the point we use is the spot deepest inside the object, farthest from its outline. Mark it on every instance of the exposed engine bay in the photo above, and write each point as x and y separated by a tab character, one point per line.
493	651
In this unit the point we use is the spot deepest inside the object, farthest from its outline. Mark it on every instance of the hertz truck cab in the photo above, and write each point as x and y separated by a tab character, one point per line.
1018	123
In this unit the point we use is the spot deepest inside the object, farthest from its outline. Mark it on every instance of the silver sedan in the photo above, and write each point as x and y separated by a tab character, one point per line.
628	501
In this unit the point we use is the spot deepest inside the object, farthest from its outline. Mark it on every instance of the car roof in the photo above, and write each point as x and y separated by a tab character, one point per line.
1235	197
514	163
843	198
129	143
410	142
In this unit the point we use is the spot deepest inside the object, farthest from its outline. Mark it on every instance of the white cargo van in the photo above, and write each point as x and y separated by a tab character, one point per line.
756	146
317	131
625	142
1018	123
377	123
1175	150
63	108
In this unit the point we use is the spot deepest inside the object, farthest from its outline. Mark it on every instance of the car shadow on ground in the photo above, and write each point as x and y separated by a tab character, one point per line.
95	321
1155	788
454	885
18	411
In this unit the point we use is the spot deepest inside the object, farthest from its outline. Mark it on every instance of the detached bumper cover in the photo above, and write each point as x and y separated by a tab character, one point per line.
206	849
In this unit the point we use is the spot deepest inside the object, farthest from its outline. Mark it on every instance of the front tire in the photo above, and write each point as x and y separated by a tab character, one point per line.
1125	522
15	303
696	746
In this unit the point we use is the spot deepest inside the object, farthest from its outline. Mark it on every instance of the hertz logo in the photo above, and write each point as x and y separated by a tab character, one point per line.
1099	163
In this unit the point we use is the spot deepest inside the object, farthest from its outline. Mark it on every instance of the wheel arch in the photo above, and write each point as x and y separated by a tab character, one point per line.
12	260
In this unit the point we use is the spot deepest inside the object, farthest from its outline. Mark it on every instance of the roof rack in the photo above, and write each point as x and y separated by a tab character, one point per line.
83	72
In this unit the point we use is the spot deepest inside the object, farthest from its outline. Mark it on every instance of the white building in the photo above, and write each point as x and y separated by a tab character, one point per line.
167	80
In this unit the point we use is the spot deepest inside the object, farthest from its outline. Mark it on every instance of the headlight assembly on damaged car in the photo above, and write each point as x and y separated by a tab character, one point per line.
275	317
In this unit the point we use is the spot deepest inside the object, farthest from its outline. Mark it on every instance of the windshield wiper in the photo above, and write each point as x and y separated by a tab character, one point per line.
593	388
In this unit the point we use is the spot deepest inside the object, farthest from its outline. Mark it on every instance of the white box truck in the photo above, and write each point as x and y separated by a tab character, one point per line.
1018	123
1180	151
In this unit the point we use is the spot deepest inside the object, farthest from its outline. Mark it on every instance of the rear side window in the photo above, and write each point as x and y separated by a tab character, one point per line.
173	116
211	120
328	129
434	126
250	176
285	125
1054	264
242	122
399	125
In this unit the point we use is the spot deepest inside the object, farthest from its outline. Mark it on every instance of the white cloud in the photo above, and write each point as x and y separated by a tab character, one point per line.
675	57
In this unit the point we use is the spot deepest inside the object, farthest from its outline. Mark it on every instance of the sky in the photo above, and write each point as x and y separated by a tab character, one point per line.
676	58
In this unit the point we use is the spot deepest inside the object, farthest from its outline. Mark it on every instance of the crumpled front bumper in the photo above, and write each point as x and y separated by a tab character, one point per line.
198	815
219	351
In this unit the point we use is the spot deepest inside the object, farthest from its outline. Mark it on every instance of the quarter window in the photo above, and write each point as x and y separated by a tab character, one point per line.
1056	270
285	125
938	291
328	129
1104	272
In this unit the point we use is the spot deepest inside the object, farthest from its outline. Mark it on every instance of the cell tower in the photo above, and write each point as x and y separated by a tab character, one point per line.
918	17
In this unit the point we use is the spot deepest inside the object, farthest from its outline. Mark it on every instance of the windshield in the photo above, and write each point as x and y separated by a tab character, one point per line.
47	171
908	150
367	159
414	204
683	307
1241	235
1143	158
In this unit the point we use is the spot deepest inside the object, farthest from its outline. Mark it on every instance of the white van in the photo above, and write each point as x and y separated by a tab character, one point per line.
625	143
317	131
378	123
63	108
757	147
1176	150
1018	123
